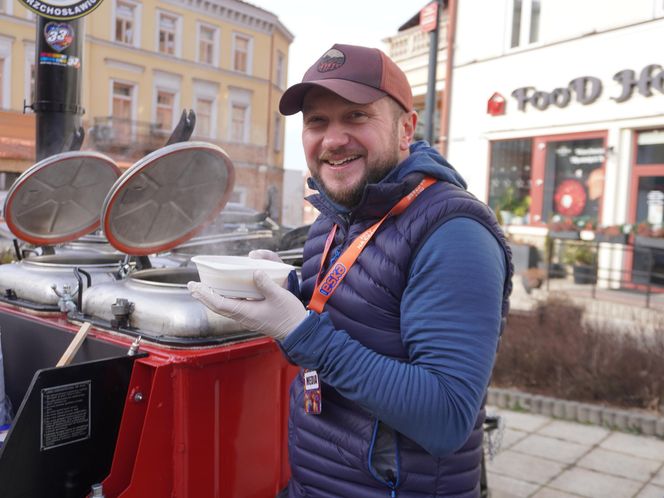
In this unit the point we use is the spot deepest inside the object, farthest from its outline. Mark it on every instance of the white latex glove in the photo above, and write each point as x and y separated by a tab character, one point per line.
265	254
275	316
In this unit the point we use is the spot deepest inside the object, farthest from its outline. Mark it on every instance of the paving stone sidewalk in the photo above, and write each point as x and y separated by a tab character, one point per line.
542	457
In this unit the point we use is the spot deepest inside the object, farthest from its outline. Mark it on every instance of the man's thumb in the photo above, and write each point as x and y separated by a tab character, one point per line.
265	284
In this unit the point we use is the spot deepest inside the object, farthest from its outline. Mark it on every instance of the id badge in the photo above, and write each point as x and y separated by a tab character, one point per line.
312	393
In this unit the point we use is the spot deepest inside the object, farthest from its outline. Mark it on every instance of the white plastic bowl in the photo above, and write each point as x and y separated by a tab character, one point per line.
233	276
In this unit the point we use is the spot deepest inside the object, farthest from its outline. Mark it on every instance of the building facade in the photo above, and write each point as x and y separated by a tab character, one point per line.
409	48
563	103
557	112
144	62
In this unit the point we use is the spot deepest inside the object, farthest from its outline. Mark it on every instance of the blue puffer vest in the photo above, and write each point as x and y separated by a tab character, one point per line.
331	453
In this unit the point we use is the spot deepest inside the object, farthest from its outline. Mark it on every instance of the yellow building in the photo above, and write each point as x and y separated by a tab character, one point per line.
144	62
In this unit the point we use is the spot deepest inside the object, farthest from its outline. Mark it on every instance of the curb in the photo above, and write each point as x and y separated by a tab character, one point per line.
585	413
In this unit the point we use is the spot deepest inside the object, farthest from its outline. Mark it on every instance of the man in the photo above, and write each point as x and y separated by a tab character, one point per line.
405	303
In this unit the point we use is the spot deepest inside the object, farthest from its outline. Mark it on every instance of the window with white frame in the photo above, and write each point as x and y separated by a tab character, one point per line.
2	82
166	101
168	33
277	132
281	69
239	122
126	22
122	110
205	107
207	44
5	72
29	74
242	56
525	22
239	195
6	7
239	114
164	110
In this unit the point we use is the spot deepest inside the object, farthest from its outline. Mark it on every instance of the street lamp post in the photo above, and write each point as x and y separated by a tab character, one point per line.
430	21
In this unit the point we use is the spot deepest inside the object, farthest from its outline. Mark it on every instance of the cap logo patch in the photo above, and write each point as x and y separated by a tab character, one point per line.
331	60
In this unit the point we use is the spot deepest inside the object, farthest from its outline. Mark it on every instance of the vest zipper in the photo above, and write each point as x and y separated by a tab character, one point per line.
393	481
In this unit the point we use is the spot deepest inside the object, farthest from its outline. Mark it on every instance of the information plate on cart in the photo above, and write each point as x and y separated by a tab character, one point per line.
65	414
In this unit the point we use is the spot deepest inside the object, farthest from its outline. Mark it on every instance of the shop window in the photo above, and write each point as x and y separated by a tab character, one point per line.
650	201
650	147
510	180
525	22
574	180
648	253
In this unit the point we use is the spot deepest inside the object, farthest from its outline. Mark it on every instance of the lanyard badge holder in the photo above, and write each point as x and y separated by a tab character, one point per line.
312	392
324	288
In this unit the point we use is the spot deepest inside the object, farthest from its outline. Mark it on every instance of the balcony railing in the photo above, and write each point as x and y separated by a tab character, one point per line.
116	134
413	42
134	139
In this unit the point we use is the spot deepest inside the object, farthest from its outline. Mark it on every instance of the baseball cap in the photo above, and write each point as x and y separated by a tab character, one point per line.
358	74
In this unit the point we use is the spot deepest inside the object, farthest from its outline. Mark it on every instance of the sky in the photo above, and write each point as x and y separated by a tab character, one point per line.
319	24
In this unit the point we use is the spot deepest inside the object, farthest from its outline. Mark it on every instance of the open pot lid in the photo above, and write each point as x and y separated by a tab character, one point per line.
59	198
167	197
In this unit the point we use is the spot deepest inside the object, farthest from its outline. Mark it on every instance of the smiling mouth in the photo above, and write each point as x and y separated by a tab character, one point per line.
341	162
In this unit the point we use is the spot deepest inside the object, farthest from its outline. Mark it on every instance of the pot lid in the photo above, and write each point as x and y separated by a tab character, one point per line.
167	197
59	198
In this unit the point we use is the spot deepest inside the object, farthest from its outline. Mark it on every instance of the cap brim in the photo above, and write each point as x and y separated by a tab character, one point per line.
293	98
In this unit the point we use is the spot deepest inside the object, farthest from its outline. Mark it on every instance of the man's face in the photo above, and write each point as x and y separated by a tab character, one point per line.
349	145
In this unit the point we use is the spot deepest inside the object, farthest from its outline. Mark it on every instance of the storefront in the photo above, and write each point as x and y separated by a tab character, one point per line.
565	133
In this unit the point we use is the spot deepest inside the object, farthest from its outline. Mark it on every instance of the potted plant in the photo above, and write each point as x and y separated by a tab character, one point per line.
563	228
520	211
648	254
648	235
512	208
613	234
582	258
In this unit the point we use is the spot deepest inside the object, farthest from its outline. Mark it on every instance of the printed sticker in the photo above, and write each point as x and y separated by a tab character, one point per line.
63	60
58	35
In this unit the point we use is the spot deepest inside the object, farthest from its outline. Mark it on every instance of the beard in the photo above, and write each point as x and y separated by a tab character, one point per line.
375	171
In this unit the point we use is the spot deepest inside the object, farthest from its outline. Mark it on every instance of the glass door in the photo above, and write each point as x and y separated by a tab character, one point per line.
647	207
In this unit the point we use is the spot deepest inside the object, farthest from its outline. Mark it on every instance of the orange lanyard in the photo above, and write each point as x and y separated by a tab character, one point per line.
325	288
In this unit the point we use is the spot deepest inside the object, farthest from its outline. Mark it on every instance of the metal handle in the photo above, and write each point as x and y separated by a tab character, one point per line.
184	128
75	140
88	278
17	250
